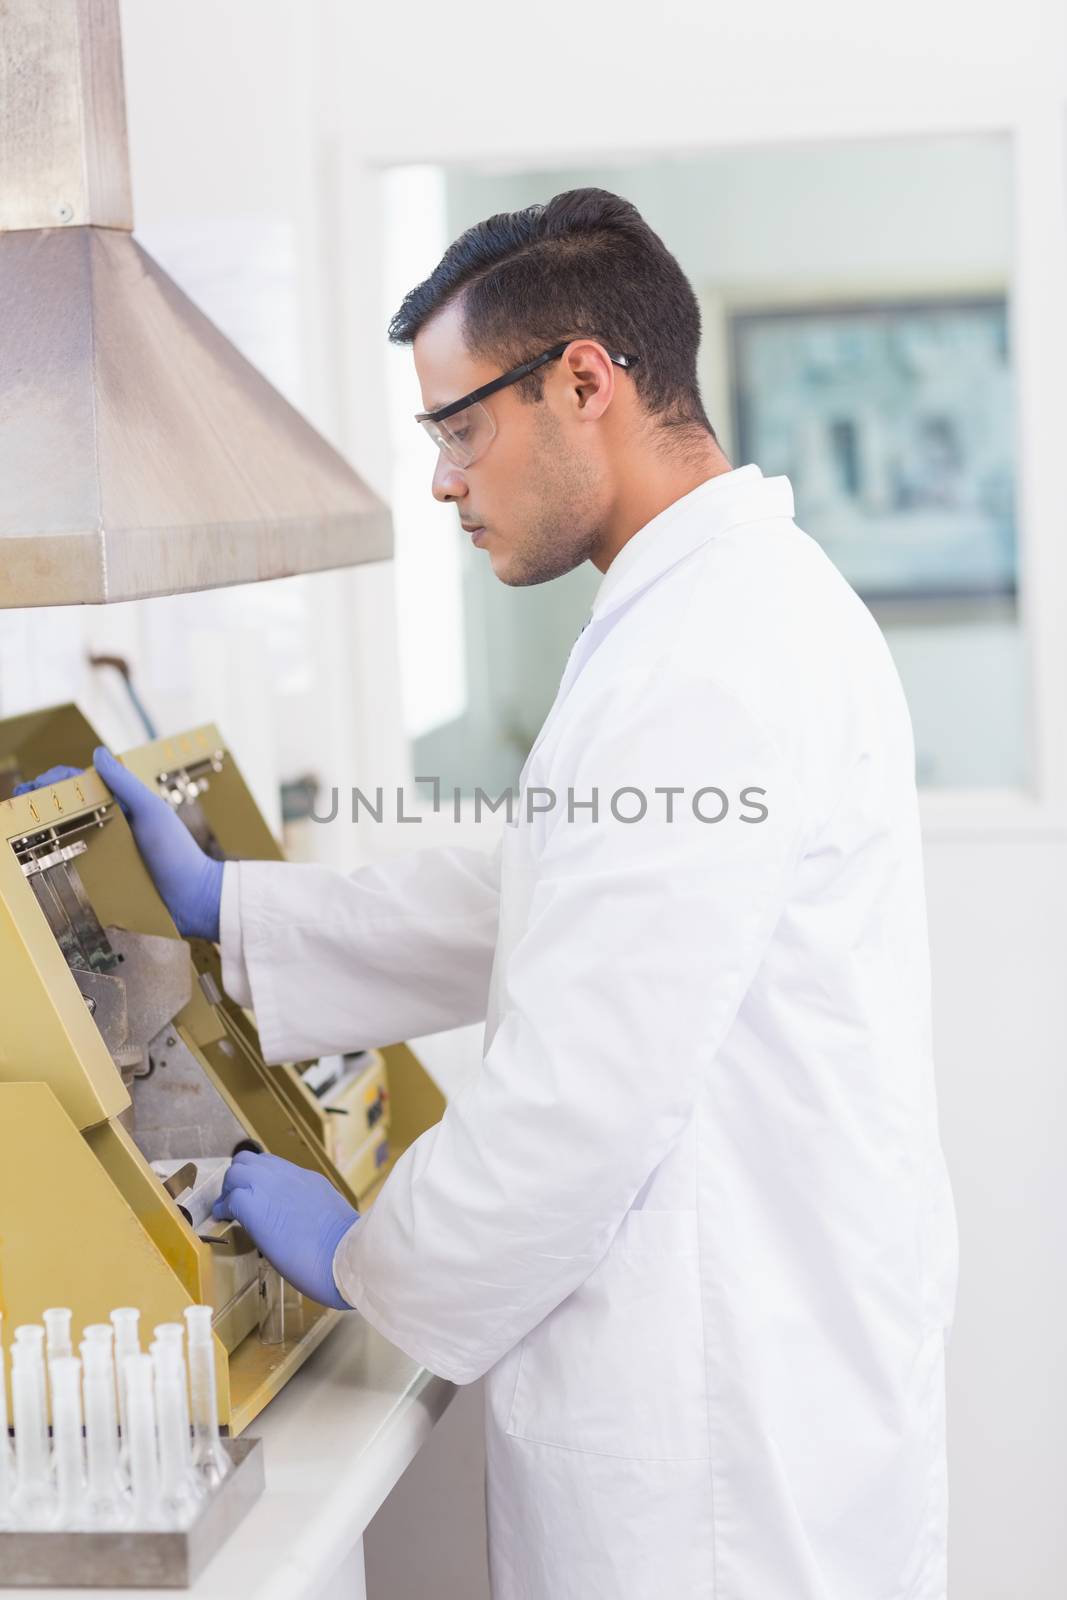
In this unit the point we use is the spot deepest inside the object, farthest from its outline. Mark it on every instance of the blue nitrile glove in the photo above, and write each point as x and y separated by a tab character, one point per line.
53	775
189	881
296	1217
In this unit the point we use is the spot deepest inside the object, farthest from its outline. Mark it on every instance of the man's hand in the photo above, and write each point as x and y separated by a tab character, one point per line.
189	881
296	1217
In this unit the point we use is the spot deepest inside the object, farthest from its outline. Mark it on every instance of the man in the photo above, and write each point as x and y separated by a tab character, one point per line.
692	1220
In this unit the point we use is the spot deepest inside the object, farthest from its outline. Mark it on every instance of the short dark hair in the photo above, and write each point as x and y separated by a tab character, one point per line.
585	265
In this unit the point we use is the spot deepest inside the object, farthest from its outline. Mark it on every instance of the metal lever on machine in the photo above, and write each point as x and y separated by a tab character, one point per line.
133	984
193	1185
178	1182
182	788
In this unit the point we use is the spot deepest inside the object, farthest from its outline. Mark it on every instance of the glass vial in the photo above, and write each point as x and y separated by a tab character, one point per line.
143	1455
124	1320
106	1502
67	1443
7	1459
33	1500
210	1461
178	1489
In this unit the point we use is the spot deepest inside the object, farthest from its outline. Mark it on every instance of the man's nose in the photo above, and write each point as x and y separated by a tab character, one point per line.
448	480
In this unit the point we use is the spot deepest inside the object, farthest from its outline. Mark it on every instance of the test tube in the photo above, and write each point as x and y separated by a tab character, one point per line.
141	1422
32	1502
7	1464
124	1320
293	1310
106	1505
29	1337
57	1336
178	1490
210	1461
173	1333
65	1375
57	1327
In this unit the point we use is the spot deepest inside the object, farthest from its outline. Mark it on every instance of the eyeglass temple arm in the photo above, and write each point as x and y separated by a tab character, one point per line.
508	378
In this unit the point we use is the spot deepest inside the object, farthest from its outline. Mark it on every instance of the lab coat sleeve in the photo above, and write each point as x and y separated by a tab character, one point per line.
639	944
330	962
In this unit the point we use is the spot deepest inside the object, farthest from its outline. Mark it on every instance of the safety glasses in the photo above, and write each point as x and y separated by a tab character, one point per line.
464	429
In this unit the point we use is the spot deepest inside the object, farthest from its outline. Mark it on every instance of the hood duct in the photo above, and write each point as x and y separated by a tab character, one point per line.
140	453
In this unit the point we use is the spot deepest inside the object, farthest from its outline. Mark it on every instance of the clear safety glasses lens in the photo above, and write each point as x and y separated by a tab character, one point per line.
462	437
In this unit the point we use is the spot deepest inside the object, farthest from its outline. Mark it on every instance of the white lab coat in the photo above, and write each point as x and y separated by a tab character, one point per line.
692	1219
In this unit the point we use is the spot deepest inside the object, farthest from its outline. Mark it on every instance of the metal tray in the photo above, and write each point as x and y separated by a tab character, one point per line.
136	1560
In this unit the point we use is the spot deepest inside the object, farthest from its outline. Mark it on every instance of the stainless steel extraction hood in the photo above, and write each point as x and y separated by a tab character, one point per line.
140	453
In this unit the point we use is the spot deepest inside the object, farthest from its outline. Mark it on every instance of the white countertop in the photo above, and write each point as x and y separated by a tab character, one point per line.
335	1441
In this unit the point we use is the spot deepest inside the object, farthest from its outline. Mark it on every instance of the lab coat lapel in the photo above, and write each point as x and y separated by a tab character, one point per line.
733	498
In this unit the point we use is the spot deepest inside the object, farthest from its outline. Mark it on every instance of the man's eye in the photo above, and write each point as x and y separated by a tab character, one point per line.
460	434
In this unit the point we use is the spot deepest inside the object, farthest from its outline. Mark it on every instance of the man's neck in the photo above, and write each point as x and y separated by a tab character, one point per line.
653	481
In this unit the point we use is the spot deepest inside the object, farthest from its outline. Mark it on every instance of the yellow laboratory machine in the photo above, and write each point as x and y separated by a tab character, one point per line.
128	1078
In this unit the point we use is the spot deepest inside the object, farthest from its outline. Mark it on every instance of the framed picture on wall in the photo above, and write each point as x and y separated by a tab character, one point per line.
894	420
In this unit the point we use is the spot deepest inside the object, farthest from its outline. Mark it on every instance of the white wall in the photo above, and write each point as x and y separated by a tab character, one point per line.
1000	1023
788	224
256	109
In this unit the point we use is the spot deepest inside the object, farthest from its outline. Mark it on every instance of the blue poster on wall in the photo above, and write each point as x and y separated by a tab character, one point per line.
894	422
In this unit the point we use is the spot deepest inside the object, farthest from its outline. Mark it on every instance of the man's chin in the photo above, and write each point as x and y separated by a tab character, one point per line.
509	571
505	566
511	568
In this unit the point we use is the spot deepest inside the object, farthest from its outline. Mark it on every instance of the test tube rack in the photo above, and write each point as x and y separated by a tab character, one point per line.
132	1558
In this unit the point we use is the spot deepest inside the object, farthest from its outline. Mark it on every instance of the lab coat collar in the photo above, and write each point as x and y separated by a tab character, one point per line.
743	495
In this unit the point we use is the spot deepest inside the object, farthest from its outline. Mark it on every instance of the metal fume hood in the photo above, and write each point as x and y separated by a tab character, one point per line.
140	453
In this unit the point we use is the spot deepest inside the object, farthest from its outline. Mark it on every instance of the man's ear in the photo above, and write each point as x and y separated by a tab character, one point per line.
590	377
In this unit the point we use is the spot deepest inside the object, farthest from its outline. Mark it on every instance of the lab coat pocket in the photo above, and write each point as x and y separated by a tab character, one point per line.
618	1368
